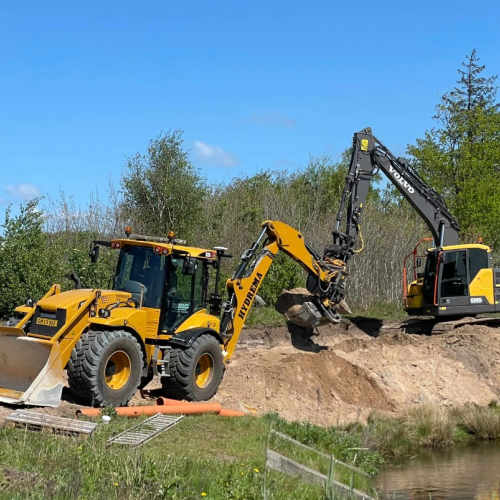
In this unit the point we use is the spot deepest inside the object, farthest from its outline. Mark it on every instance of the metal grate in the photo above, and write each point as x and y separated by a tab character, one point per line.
33	420
145	431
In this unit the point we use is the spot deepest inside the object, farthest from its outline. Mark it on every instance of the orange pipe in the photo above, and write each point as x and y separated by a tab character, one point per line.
135	411
231	413
166	401
223	413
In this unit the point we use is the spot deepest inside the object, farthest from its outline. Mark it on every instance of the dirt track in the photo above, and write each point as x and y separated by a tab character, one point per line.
347	371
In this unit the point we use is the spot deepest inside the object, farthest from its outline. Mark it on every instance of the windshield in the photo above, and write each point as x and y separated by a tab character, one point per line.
140	269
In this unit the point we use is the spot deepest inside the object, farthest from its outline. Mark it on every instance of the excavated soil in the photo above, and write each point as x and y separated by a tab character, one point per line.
344	372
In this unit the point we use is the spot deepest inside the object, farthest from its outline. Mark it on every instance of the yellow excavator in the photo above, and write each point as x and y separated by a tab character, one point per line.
158	319
458	283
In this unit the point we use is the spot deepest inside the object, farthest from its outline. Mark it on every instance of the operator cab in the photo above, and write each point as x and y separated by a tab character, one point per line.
458	280
166	276
174	283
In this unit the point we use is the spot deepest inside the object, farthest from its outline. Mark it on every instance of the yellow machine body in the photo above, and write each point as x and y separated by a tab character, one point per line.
163	304
37	379
458	280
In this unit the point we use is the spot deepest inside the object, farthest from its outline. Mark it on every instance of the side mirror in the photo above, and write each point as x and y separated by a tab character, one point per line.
94	254
189	266
419	262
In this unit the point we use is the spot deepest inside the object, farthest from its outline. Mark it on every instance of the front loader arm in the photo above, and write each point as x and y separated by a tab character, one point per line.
254	266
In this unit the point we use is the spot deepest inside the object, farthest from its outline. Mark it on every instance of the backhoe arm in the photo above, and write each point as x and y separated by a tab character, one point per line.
255	264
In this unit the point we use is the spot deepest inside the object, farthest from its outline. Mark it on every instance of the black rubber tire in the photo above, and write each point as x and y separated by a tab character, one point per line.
183	362
88	361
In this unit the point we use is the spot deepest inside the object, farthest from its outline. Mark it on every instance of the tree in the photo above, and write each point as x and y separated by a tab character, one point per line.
162	190
27	266
460	158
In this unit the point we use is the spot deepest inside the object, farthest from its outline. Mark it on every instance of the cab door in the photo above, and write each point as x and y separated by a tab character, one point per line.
185	290
454	279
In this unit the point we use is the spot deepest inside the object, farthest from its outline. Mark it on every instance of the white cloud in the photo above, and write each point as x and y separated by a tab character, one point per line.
271	119
214	155
23	191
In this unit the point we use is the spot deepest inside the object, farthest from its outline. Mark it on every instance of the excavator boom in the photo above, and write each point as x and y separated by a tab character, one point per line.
368	157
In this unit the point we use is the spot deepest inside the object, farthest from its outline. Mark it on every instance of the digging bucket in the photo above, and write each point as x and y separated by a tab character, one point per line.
30	369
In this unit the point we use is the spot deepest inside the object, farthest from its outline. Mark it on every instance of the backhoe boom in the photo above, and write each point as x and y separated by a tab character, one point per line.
323	274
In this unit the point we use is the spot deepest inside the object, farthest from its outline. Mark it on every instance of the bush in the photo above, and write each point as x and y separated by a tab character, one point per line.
28	264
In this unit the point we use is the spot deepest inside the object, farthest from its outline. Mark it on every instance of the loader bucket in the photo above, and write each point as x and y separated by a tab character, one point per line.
30	369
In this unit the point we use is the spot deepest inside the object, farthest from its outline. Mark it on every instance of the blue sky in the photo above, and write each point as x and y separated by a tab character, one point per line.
254	85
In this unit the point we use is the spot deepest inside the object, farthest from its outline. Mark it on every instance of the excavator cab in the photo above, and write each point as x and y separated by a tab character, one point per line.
458	280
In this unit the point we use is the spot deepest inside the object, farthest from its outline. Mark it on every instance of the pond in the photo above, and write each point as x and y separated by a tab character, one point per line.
464	472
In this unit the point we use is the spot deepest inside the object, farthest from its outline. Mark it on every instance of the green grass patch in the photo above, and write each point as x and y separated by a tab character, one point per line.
207	456
223	458
429	426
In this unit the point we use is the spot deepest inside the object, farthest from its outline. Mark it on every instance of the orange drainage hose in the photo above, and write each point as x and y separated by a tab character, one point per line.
231	413
223	413
135	411
166	401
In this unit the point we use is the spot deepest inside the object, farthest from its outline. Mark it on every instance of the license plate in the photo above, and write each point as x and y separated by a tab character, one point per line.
46	322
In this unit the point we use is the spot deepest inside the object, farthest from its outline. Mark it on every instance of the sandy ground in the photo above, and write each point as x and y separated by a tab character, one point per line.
347	371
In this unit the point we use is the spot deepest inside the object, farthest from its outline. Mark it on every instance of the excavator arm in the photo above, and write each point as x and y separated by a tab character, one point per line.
326	276
368	157
323	275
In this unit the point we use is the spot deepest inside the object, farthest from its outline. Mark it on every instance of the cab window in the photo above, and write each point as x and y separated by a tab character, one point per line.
141	271
478	259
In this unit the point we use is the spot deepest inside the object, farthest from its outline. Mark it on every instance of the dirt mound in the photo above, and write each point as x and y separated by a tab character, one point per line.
350	369
320	387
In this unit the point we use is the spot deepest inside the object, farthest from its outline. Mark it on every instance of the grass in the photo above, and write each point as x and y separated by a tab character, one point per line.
223	458
264	316
220	457
429	426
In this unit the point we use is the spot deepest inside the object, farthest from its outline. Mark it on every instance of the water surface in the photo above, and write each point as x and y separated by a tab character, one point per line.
468	472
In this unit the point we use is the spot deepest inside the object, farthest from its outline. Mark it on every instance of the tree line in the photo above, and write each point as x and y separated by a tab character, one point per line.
160	190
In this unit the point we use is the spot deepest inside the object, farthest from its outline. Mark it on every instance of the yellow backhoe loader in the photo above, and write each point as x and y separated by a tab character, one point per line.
158	319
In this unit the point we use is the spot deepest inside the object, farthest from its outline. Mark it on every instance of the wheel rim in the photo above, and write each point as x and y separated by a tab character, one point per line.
117	370
204	370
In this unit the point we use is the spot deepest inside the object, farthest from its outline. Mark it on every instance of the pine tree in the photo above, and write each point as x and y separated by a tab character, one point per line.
461	157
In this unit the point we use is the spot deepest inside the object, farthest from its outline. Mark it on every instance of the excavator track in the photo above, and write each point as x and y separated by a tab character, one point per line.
433	326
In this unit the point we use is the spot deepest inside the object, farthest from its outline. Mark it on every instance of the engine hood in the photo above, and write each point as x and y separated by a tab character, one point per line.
66	300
